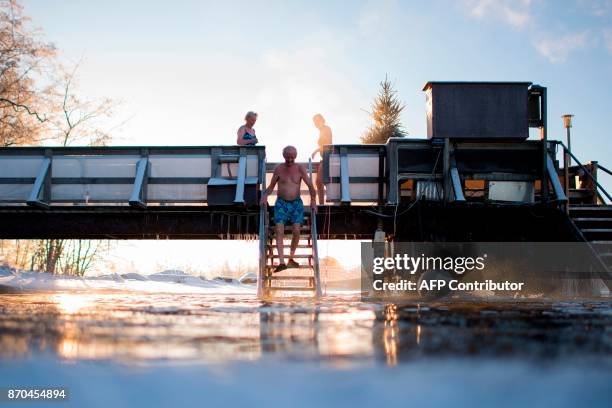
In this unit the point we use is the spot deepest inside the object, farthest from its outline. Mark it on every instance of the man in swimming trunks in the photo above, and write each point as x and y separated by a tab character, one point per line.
325	138
289	207
246	133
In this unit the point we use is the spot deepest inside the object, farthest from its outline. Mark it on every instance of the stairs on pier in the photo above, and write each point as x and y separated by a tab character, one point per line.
595	223
303	280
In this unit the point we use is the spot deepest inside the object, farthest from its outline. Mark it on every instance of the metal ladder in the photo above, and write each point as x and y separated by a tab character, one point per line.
306	278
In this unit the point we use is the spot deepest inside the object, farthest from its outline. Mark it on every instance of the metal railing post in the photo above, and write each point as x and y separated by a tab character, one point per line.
345	192
315	250
566	182
263	231
37	195
544	137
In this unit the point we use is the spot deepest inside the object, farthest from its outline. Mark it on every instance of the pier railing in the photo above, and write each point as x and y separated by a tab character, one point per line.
134	176
403	170
580	180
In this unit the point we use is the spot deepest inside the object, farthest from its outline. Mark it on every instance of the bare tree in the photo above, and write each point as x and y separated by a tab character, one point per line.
23	57
39	102
74	120
78	120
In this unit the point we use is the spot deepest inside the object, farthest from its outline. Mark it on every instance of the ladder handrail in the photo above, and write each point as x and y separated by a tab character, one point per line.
587	172
263	233
599	166
313	233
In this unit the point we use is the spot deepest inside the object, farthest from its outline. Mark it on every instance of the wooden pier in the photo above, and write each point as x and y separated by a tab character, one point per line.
467	187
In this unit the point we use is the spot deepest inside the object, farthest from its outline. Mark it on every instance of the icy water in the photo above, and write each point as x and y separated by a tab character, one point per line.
217	328
238	347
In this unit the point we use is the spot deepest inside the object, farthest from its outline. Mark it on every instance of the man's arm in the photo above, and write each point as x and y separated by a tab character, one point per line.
311	189
270	189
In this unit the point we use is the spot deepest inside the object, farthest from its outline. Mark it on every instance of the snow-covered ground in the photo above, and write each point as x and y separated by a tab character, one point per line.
167	281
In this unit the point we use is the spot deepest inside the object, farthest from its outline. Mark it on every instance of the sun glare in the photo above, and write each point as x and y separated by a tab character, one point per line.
71	303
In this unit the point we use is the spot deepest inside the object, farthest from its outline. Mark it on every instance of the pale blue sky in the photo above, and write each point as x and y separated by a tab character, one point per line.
188	70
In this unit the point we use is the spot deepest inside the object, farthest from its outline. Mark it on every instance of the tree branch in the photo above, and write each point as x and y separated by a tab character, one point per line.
16	105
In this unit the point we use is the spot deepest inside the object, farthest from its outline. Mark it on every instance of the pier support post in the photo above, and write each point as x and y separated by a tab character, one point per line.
544	137
138	197
41	192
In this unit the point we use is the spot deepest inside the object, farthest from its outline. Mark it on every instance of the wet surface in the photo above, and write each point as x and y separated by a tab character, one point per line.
129	327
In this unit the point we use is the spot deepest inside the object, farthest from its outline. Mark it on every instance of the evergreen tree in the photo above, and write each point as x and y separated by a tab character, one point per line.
386	111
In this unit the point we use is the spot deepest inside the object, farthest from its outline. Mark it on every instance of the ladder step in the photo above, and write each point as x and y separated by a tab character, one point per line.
289	228
292	277
288	238
598	219
276	256
292	289
299	267
591	207
287	246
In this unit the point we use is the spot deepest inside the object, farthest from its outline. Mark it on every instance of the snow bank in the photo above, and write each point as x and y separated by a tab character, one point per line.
14	280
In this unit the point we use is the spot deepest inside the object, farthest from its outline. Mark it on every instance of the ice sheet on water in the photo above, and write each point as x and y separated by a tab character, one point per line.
455	382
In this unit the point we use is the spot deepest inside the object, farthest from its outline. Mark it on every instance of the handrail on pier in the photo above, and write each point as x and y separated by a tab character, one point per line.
586	172
599	166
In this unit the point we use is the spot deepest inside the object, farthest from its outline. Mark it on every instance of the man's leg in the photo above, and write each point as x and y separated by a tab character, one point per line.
295	238
280	231
320	184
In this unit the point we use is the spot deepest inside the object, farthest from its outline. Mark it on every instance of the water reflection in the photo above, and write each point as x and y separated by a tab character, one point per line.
391	334
218	328
71	303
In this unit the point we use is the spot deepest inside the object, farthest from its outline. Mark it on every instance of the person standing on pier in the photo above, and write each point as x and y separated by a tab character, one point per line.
289	207
246	133
325	138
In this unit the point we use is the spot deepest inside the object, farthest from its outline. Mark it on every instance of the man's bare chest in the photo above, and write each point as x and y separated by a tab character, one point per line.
290	176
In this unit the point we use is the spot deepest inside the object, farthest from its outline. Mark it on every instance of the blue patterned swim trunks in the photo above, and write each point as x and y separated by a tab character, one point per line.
289	211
